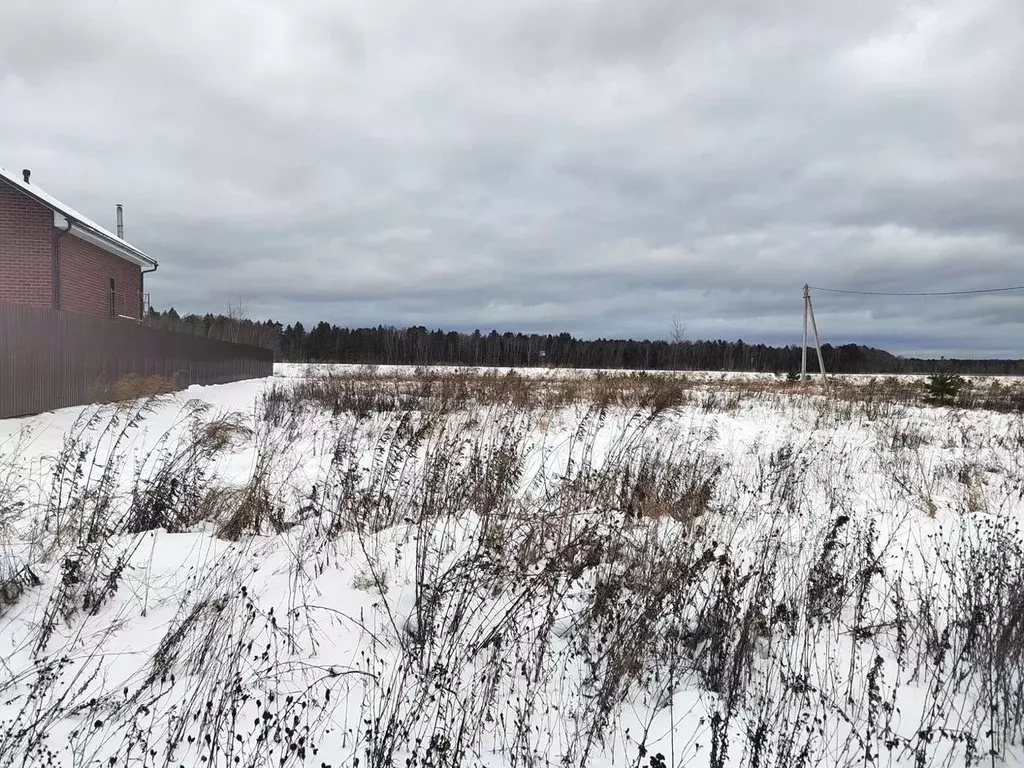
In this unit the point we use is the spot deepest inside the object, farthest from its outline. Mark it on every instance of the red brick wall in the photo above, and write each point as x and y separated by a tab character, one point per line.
85	273
26	250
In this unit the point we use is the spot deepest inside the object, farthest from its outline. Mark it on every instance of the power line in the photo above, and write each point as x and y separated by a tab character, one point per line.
926	293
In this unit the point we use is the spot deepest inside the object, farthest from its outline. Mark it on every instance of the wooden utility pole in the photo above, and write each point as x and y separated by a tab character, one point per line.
809	313
817	340
803	355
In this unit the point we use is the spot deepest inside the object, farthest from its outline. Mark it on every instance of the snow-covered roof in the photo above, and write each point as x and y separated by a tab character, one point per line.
80	226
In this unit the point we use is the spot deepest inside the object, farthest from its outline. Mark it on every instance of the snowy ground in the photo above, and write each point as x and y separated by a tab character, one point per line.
269	573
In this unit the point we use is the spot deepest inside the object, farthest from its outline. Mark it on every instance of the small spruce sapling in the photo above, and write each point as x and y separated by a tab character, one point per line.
943	388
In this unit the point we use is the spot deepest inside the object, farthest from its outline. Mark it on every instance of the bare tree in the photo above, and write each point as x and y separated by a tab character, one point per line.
237	315
677	336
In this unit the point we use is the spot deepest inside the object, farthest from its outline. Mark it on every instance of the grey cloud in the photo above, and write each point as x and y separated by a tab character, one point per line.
590	166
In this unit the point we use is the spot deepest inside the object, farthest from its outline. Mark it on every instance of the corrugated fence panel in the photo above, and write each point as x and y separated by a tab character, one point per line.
51	359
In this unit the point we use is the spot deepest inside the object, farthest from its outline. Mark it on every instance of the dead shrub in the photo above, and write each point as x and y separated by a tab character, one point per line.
170	496
218	503
14	581
135	387
660	393
238	512
667	487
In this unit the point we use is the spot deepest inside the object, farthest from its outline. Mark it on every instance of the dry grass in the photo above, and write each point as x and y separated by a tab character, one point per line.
240	512
368	390
134	387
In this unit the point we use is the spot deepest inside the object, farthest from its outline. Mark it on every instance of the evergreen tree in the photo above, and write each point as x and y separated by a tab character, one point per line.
943	388
418	345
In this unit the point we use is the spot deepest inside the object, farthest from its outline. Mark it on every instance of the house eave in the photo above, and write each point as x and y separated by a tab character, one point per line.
81	227
92	237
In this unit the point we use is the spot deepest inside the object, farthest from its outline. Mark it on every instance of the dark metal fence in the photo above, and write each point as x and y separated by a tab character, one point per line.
51	359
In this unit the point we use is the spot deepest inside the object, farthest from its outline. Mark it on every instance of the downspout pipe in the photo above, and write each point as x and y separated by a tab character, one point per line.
56	261
142	288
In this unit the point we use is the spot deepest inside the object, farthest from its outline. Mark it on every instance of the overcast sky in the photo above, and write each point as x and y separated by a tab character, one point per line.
596	166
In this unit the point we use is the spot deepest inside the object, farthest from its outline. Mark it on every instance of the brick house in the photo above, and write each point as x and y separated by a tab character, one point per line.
51	256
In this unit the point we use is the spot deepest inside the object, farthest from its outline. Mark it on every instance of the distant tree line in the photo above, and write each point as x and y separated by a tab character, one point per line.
420	346
226	327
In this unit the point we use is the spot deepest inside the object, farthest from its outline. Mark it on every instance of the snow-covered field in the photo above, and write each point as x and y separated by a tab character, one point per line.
303	370
404	567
